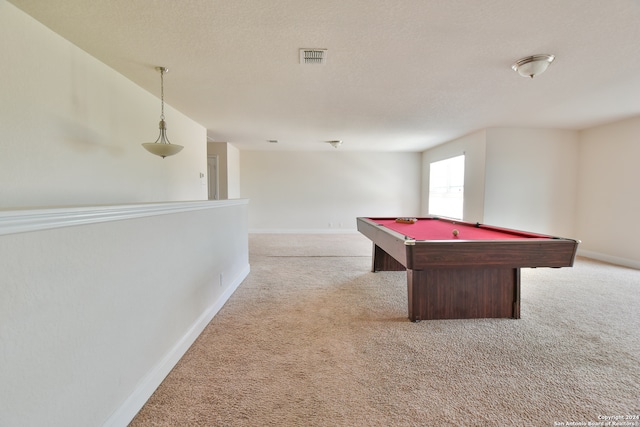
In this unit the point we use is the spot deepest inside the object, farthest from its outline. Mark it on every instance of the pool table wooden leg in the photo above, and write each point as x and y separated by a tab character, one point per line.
463	293
382	261
516	297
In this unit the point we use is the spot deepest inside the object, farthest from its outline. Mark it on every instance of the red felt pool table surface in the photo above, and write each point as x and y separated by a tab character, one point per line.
441	229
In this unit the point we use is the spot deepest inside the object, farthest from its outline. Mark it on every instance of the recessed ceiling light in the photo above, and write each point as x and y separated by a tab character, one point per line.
272	141
335	143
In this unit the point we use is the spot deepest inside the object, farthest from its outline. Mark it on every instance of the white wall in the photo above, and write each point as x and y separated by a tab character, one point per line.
92	317
531	180
608	205
325	191
233	171
72	127
473	146
559	182
515	178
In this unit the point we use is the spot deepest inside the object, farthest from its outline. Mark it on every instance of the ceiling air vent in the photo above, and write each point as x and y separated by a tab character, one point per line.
313	56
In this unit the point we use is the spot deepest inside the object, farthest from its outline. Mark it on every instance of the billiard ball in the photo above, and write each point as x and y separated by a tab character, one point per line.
455	232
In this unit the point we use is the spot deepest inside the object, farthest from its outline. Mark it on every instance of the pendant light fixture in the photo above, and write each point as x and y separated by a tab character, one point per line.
162	147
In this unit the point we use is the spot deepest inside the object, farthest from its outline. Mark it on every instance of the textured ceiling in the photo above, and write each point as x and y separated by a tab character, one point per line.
401	75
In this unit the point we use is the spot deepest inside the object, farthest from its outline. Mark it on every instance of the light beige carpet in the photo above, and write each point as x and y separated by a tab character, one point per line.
313	338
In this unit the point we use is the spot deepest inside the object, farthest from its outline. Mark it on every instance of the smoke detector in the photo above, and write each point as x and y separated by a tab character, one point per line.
313	56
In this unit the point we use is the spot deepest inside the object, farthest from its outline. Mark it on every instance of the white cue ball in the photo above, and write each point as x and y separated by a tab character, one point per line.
455	232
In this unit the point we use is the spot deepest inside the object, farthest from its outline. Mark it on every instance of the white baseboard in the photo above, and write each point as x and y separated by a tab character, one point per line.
610	259
303	231
128	410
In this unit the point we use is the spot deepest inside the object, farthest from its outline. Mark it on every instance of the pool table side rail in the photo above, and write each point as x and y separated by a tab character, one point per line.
391	242
514	253
517	253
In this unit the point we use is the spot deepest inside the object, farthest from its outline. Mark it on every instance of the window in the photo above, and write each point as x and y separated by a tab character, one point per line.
446	187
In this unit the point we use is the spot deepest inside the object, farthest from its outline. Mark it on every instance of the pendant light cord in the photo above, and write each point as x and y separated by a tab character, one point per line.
162	93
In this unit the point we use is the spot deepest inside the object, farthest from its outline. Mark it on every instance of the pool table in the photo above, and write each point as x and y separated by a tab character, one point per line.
473	274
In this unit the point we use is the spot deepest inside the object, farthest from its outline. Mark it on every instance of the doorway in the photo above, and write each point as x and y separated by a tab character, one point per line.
212	172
